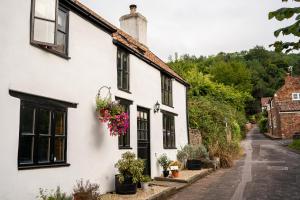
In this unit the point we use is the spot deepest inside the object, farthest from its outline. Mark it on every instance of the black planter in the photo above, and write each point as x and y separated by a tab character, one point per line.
127	187
194	164
166	173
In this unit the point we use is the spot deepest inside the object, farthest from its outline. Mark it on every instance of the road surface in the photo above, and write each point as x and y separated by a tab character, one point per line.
267	171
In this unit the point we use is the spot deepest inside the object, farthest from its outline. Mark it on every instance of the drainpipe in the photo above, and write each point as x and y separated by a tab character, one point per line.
187	113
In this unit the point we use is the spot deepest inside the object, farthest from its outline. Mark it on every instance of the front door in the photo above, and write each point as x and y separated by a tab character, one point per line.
143	137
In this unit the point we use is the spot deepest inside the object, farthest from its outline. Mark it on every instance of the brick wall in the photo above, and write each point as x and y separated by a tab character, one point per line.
290	123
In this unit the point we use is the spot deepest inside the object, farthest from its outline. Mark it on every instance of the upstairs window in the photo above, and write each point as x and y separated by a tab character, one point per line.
296	96
123	70
166	90
49	26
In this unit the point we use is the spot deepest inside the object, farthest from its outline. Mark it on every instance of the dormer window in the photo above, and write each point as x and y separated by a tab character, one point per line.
296	96
49	26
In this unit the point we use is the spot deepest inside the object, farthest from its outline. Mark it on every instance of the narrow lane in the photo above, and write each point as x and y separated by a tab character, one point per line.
268	171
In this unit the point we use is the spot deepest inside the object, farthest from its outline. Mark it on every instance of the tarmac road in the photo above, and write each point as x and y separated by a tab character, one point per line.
268	171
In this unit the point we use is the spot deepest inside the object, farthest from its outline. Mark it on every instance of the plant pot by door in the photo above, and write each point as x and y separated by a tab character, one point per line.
81	196
127	187
175	173
166	173
194	164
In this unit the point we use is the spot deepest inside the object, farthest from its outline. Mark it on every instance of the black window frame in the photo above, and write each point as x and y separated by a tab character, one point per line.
53	106
169	140
124	140
51	48
120	70
166	90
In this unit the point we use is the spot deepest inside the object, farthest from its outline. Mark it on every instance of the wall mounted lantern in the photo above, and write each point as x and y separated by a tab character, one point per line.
156	107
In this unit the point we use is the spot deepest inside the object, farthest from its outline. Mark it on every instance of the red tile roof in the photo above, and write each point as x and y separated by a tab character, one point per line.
265	101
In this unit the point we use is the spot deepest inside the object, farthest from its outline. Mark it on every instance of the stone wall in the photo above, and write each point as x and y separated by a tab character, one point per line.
195	136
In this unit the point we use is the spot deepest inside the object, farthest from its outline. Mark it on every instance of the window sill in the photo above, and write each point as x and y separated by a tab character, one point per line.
123	90
124	148
171	106
51	51
170	148
25	167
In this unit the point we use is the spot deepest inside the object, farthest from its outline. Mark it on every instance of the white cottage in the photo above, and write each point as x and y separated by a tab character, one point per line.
55	55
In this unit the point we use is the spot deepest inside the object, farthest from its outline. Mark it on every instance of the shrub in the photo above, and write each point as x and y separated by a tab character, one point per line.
57	195
295	144
130	167
164	161
192	152
263	125
226	151
87	190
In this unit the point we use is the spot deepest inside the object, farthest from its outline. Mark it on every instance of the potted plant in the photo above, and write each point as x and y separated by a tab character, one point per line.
174	167
130	173
192	155
87	190
164	162
145	182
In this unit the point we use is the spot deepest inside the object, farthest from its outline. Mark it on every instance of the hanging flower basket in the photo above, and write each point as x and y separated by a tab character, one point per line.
112	113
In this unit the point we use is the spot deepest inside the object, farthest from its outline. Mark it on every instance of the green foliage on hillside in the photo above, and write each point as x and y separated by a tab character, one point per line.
226	87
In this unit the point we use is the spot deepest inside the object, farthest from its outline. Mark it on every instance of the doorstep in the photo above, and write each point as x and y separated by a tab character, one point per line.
186	176
154	192
161	187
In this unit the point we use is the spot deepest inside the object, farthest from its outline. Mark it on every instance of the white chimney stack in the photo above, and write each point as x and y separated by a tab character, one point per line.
135	25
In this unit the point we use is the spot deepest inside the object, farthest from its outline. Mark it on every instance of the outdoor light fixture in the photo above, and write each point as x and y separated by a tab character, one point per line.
156	107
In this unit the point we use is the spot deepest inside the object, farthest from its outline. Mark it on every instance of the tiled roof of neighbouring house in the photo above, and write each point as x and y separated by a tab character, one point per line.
129	42
288	106
265	101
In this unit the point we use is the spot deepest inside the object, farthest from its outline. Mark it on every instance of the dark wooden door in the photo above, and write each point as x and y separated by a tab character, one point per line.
143	138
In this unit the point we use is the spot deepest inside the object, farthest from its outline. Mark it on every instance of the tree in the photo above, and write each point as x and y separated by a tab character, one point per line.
294	29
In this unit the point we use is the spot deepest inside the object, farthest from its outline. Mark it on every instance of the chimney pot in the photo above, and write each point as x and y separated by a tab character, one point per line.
132	8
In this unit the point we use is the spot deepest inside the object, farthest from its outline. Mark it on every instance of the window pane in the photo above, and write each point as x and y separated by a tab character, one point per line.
27	116
119	59
44	31
45	9
26	149
119	79
43	122
125	82
59	123
60	42
125	63
44	149
62	20
59	149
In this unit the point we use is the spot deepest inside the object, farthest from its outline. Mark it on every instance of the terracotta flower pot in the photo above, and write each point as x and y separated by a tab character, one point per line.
81	196
175	173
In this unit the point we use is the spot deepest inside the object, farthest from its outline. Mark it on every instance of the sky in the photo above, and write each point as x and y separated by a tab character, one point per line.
200	27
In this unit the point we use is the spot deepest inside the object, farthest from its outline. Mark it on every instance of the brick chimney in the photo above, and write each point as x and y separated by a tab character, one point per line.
135	25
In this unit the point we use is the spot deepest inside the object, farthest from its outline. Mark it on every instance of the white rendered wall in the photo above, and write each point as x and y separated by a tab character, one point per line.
91	151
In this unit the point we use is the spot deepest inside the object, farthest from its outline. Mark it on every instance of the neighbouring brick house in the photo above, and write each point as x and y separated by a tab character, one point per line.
284	109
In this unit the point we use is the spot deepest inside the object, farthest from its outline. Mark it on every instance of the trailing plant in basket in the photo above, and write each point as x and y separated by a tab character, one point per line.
113	113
